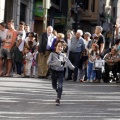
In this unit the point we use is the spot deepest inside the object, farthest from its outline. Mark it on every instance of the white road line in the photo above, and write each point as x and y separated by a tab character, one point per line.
27	113
88	116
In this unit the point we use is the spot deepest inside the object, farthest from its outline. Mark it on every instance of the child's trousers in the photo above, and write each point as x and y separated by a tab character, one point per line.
57	82
28	68
33	70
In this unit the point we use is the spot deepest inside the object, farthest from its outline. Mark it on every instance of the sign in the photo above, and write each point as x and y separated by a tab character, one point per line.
59	20
39	9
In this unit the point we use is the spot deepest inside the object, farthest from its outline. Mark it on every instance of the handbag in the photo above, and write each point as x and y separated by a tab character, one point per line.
98	64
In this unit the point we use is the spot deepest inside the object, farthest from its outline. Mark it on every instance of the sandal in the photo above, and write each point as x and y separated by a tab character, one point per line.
1	74
6	75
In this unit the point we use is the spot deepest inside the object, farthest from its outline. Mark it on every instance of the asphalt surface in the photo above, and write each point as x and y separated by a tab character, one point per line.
34	99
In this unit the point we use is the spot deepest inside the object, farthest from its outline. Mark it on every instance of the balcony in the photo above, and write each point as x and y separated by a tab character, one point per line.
90	16
92	13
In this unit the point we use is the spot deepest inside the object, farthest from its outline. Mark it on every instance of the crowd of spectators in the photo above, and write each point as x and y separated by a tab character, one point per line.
23	54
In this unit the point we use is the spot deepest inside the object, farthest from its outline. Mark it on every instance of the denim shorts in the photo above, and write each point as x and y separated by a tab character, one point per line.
5	53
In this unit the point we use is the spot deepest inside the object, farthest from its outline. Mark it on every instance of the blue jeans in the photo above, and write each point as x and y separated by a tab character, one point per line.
57	81
90	72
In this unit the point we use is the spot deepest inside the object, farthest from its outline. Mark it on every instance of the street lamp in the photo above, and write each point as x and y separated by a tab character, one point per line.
46	6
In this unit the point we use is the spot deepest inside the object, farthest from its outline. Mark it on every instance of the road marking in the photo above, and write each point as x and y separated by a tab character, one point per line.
57	115
28	113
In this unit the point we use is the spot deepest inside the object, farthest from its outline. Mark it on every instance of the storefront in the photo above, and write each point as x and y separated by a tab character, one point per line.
56	17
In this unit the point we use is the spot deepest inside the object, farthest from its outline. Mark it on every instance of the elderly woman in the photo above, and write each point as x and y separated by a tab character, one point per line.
60	36
112	60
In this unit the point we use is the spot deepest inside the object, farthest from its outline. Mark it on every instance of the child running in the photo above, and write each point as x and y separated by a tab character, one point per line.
56	61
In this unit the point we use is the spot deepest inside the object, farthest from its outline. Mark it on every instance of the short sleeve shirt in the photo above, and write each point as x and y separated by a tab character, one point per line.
10	39
101	40
22	36
3	35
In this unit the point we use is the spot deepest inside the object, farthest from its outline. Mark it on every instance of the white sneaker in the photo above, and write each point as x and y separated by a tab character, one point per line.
17	76
22	75
91	80
14	74
87	81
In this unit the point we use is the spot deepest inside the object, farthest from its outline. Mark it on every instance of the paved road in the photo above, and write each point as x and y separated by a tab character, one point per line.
34	99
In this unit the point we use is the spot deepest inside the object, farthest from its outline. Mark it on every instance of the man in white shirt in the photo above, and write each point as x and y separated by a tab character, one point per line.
19	48
27	30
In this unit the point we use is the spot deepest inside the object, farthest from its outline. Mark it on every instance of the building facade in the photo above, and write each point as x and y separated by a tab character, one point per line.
57	15
18	10
63	14
2	10
86	14
83	14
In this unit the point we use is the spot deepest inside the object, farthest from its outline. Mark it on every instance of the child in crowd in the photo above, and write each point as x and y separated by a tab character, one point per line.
83	67
34	62
98	66
92	55
56	61
24	62
30	41
28	62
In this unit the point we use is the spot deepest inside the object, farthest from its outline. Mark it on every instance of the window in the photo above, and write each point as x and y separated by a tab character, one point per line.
22	12
83	4
114	12
93	6
57	2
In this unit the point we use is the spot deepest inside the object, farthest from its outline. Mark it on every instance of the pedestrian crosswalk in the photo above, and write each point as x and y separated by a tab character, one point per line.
34	99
